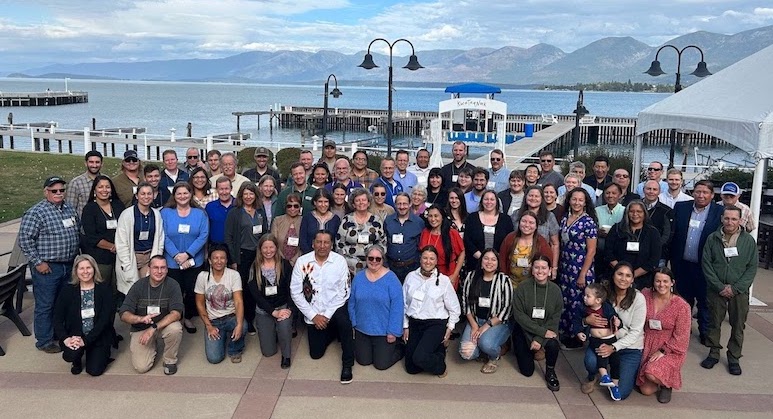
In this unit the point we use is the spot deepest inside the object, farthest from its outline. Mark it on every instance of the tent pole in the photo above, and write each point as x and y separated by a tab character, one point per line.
759	177
636	169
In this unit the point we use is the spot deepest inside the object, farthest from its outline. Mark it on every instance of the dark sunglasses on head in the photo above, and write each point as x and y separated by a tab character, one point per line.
57	190
374	258
293	206
131	160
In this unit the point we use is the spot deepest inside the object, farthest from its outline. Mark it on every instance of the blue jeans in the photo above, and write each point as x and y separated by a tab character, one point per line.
630	359
45	289
489	342
215	348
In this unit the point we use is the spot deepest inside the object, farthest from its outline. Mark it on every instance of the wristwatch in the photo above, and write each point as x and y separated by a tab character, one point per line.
153	325
488	322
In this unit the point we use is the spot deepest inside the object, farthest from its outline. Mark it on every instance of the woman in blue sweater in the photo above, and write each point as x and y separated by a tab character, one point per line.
186	230
376	312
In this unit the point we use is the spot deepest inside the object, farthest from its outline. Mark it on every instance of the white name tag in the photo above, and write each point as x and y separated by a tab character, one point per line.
537	313
418	295
522	262
258	229
512	210
293	241
308	197
428	204
87	313
655	324
632	246
484	302
184	229
599	192
271	291
454	178
68	222
695	224
731	252
112	224
397	238
491	185
144	235
363	238
154	310
170	188
488	229
134	190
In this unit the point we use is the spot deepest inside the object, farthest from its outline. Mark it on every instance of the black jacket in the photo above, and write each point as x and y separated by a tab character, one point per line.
662	217
270	303
646	258
67	315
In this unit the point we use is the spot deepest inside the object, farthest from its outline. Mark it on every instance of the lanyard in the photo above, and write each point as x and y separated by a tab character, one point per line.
544	303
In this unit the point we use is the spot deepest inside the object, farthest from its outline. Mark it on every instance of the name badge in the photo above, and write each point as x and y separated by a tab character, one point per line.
422	180
655	324
87	313
154	310
484	302
397	238
491	185
731	252
258	229
454	178
512	210
134	190
537	313
293	241
308	197
418	295
112	224
363	238
68	222
565	236
488	229
272	290
170	188
599	192
522	262
144	235
184	229
428	204
632	246
695	224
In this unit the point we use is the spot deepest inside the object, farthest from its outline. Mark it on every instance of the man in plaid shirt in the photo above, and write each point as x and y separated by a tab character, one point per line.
48	236
80	187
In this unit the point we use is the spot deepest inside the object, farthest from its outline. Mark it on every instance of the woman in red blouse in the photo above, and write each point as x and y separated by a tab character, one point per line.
447	241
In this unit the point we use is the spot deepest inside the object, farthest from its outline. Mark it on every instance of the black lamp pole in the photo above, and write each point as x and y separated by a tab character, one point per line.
336	94
368	64
655	70
579	112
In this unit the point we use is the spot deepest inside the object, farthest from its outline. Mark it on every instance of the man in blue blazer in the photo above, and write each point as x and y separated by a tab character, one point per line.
694	221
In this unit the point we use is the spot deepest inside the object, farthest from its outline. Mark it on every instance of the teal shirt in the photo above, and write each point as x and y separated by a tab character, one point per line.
607	217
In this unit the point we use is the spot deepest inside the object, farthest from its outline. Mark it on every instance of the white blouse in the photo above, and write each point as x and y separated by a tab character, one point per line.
424	300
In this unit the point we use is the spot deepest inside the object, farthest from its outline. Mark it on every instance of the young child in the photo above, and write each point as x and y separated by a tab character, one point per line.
595	298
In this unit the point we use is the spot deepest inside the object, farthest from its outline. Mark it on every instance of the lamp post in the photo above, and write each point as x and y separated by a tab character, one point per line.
368	64
655	70
578	112
336	94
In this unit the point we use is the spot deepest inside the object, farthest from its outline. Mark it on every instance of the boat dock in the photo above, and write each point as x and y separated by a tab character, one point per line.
47	98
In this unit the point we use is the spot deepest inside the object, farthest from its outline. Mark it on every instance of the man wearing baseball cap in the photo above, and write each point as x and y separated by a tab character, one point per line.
131	175
48	237
262	168
730	194
328	154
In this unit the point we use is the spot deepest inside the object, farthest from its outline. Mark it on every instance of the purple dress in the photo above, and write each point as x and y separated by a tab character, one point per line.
574	249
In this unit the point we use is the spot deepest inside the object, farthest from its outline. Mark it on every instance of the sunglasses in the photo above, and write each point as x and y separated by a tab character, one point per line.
545	161
374	259
652	169
131	160
379	193
496	159
622	176
293	206
57	190
191	157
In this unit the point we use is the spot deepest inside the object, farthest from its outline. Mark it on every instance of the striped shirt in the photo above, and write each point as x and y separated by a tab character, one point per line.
501	297
49	233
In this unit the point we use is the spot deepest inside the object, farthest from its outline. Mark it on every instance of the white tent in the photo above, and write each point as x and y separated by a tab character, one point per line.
735	105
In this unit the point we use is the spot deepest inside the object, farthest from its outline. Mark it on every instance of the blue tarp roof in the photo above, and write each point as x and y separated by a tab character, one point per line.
473	88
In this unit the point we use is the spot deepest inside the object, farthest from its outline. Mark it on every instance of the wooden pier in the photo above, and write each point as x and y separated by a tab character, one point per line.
47	98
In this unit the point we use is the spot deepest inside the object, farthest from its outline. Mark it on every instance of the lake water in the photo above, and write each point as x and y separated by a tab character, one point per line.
160	106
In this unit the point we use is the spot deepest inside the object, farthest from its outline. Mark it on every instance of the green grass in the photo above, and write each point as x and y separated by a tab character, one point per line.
22	175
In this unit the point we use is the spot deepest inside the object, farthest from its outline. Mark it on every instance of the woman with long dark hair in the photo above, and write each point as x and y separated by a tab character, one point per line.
521	247
447	242
486	228
320	176
547	224
635	241
320	218
456	209
436	195
203	193
340	206
487	302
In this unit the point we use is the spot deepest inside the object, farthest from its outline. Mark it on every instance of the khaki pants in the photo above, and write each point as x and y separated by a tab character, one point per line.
737	309
143	263
143	356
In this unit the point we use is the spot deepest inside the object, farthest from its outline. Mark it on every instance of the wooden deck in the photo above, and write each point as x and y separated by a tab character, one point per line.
48	98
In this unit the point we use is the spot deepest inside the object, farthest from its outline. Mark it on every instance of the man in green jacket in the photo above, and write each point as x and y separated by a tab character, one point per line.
729	264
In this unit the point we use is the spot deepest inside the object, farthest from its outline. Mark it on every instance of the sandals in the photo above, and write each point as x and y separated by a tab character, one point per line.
490	367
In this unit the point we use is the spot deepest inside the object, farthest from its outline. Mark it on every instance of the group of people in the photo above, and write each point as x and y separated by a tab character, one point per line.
389	262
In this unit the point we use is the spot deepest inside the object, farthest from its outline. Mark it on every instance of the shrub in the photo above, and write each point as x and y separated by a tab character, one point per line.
285	158
246	159
617	160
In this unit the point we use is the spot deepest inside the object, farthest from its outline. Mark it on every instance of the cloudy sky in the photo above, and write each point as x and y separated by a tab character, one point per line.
38	32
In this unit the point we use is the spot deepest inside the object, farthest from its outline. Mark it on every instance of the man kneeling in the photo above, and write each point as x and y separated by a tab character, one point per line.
153	307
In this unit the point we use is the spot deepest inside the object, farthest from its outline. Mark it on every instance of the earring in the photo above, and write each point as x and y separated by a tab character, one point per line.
672	289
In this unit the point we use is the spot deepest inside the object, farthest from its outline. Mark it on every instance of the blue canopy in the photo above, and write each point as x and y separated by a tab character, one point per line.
473	88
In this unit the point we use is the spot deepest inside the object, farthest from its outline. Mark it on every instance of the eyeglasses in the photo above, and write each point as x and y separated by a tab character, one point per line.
191	157
621	175
57	190
293	206
131	160
496	159
545	161
653	169
374	259
379	193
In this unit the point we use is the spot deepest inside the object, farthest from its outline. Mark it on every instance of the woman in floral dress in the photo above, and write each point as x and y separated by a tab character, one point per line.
579	230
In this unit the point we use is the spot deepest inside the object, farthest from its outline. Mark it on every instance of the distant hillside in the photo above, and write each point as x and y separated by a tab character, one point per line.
608	59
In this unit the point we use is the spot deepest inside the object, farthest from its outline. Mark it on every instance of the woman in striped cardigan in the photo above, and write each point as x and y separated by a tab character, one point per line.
487	302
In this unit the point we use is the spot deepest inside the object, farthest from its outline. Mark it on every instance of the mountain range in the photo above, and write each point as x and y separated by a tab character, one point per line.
608	59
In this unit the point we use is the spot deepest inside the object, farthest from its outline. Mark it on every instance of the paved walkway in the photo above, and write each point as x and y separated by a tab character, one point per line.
34	384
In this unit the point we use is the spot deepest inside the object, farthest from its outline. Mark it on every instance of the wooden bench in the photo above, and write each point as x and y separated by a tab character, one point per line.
9	283
549	119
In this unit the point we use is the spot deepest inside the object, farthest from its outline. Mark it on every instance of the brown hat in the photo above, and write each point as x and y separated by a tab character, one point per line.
330	143
261	151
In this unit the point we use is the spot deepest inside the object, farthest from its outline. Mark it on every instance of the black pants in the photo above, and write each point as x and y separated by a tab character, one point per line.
424	350
524	355
610	363
246	260
376	351
97	357
403	271
339	327
187	280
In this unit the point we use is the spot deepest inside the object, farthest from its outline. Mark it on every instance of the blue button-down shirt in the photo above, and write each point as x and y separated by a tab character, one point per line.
49	233
500	179
694	234
217	213
408	180
411	230
472	201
